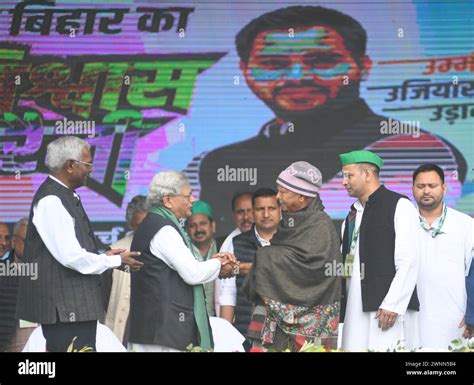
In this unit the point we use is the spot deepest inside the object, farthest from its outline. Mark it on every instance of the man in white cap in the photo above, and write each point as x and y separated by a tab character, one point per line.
296	299
381	253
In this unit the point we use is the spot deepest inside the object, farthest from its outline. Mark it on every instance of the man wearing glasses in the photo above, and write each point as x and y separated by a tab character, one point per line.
66	298
167	302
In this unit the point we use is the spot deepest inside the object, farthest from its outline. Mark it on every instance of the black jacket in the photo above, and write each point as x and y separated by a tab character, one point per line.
376	250
59	293
161	303
245	248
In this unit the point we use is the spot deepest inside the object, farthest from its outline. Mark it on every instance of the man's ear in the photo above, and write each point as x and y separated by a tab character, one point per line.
366	64
213	227
369	173
167	202
69	166
243	66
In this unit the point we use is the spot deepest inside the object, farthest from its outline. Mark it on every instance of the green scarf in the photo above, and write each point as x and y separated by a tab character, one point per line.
209	286
200	312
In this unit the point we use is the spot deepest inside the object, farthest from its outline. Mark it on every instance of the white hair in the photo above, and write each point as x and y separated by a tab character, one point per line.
22	221
137	204
165	183
62	150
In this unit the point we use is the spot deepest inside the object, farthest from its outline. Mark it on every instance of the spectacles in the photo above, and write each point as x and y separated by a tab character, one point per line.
187	197
86	163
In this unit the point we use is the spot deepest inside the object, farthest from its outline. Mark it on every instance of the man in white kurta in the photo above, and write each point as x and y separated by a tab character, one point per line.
361	330
445	261
446	251
391	326
225	289
168	245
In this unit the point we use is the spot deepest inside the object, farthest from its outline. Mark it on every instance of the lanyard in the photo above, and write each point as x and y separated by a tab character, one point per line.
440	224
355	236
349	261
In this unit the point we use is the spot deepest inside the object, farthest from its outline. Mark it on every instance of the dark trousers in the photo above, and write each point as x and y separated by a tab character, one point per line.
70	336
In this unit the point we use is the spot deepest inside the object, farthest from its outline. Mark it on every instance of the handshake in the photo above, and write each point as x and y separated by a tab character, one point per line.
229	265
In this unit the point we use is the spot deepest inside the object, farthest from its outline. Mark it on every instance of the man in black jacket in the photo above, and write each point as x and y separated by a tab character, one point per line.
167	304
267	215
381	260
66	298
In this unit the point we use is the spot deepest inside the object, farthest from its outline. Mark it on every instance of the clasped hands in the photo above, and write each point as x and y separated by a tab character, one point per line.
229	264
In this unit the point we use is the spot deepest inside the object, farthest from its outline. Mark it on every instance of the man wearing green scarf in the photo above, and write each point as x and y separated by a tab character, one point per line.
201	229
167	304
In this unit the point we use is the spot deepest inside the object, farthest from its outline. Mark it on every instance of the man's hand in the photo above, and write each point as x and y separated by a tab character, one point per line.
227	271
229	264
115	251
468	329
128	259
227	257
386	318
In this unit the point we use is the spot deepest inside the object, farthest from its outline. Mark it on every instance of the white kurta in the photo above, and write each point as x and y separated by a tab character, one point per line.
59	236
226	339
360	330
106	341
224	292
444	263
228	295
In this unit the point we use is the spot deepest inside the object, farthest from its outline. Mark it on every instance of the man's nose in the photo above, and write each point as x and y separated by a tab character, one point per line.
297	71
